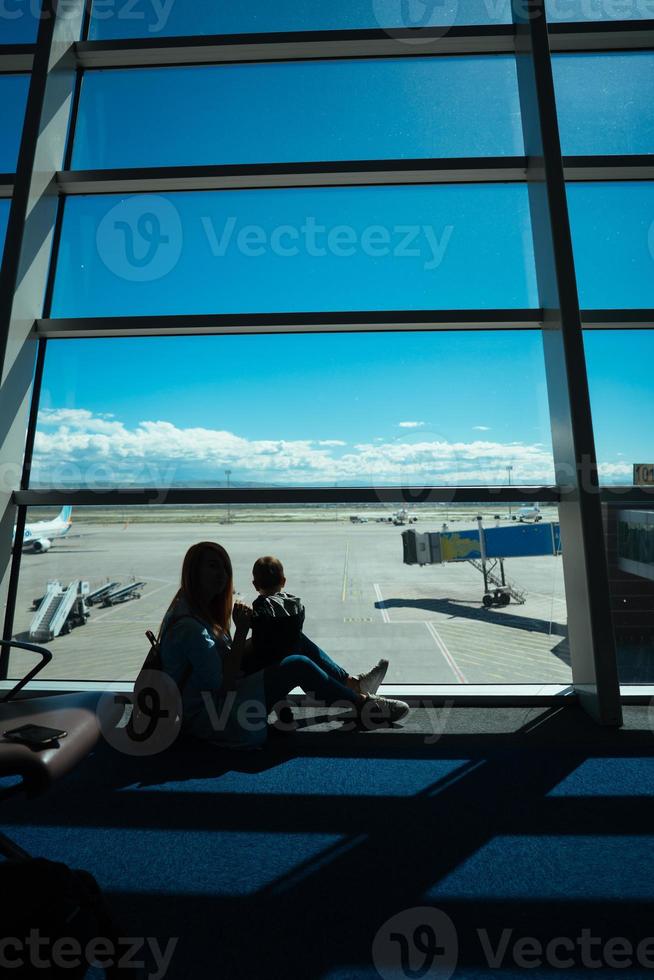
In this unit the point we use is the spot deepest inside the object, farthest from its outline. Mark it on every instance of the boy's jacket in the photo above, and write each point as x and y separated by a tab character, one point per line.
277	622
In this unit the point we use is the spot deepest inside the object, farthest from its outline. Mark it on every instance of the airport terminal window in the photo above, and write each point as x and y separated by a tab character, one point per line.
114	571
268	113
13	97
618	117
353	409
613	240
142	18
297	250
473	405
622	399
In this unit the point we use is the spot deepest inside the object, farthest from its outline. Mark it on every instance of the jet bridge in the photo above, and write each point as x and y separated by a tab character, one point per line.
59	611
485	549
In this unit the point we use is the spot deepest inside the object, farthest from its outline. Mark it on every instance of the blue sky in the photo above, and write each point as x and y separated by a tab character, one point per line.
386	408
452	407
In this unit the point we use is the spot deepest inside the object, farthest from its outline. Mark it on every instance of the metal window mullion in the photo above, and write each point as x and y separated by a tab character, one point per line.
25	261
160	496
362	43
21	519
591	637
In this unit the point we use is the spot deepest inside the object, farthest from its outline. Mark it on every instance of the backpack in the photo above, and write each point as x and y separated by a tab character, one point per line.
153	687
58	903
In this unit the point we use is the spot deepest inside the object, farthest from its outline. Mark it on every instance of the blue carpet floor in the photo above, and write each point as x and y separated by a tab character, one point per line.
336	859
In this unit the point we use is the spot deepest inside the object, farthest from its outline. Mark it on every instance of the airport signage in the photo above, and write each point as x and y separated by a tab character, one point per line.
643	474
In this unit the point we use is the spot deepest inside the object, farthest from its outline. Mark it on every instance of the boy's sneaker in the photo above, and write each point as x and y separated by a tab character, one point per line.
370	681
376	709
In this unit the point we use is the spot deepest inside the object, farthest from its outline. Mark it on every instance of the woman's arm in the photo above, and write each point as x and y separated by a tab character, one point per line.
232	660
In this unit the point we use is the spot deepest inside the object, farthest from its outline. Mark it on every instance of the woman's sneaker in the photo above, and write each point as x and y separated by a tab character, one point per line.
375	710
370	681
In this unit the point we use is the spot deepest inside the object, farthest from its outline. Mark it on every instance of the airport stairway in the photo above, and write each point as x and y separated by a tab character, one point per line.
59	610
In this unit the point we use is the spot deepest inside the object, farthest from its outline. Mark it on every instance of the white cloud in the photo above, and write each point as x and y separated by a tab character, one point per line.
410	425
75	446
482	428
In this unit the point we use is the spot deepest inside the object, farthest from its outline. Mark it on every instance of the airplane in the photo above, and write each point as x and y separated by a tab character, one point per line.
38	537
528	514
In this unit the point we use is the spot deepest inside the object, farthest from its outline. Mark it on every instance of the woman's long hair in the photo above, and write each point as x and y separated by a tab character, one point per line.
218	612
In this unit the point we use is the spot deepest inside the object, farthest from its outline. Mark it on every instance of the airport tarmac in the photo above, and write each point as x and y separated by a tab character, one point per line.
362	602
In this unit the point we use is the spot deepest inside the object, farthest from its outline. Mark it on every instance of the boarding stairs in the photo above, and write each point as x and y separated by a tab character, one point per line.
501	586
59	611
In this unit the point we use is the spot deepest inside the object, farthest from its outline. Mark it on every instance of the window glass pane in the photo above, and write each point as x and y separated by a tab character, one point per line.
361	600
622	399
297	250
613	238
13	98
618	118
588	10
422	107
19	22
630	559
309	409
143	18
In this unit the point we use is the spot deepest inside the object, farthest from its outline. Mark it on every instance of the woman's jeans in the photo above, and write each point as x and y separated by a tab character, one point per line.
311	669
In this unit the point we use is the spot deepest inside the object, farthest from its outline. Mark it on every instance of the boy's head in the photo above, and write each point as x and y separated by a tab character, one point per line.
268	574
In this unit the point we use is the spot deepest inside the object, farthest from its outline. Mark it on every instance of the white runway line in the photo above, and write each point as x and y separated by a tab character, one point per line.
446	653
382	604
347	557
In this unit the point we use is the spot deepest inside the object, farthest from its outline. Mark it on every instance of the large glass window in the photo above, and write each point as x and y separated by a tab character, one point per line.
362	601
13	97
397	409
613	238
351	248
618	118
299	111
